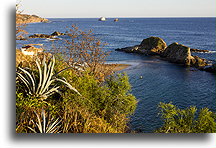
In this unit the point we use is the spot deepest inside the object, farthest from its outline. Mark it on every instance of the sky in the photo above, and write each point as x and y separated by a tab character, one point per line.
119	8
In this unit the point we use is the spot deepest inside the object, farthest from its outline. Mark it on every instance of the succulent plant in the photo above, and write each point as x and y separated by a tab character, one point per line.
45	124
45	84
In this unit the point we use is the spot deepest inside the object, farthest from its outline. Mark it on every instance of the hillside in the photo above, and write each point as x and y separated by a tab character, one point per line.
25	18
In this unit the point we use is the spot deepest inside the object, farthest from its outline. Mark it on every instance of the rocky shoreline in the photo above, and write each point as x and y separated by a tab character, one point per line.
175	53
51	36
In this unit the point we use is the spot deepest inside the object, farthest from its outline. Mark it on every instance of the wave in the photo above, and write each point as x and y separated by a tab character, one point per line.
211	52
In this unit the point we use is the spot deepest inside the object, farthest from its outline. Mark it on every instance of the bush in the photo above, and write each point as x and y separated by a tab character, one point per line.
83	48
101	107
186	120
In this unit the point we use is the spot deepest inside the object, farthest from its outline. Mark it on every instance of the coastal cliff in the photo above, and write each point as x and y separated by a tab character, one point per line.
26	18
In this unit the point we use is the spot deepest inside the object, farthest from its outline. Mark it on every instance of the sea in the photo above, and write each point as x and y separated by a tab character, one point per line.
152	80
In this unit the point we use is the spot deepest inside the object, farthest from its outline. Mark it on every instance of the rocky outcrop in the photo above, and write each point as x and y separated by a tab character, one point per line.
31	50
25	18
178	53
175	53
198	62
116	20
41	36
51	36
149	46
102	19
56	33
211	68
199	50
133	49
152	46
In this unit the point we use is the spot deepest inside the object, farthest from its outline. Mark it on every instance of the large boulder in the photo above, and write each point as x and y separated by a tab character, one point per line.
178	53
149	46
181	54
152	46
198	62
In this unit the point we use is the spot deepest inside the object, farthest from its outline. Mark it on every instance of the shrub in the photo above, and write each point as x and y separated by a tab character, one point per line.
102	107
186	120
110	101
44	82
84	49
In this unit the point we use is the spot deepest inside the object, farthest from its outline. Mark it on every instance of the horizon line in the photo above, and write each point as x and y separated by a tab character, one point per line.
144	17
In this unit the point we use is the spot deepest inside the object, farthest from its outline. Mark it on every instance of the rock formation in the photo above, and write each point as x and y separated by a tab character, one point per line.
25	18
149	46
152	46
199	50
51	36
211	68
56	33
176	53
102	19
31	50
116	20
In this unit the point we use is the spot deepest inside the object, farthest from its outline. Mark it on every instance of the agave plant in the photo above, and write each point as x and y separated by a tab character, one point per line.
46	84
45	124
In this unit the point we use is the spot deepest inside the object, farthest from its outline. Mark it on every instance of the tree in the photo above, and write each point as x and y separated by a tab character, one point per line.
20	25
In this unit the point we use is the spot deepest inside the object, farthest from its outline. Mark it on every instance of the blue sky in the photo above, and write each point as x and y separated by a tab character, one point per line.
119	8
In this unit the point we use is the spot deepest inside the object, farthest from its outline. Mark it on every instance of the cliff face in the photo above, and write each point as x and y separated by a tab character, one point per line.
25	18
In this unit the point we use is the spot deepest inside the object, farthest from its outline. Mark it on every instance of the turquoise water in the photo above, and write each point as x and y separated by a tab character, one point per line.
162	81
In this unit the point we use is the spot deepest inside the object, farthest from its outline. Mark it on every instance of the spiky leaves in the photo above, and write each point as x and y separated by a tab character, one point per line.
45	124
43	83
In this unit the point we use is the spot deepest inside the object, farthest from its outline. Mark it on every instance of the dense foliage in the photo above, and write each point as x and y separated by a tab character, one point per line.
186	120
102	106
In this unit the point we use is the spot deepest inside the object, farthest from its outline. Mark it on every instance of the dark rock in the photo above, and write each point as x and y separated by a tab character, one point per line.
133	49
116	20
56	33
178	53
40	36
152	46
198	50
211	68
198	62
149	46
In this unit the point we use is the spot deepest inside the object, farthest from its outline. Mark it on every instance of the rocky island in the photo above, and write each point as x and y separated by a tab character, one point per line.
175	53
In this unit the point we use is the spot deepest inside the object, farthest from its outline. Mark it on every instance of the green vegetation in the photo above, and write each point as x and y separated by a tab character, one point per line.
46	84
98	102
71	91
93	106
186	120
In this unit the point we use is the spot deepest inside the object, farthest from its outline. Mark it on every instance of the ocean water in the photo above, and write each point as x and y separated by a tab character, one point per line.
162	81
